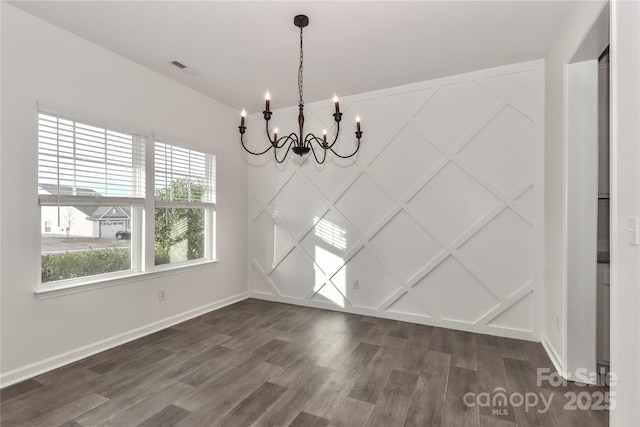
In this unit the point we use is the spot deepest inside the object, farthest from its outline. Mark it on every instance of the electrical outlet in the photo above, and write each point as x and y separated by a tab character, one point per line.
632	229
558	321
356	284
162	295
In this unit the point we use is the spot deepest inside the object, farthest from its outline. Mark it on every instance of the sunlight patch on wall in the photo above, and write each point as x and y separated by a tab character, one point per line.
331	233
325	256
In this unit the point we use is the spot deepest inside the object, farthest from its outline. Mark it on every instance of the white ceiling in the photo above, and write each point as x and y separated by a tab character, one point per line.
235	50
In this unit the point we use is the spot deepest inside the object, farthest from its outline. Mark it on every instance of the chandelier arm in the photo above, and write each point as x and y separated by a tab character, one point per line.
275	152
335	139
274	142
350	155
291	137
312	138
282	141
252	152
318	141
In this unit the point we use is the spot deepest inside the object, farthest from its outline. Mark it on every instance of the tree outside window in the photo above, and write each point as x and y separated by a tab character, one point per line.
179	232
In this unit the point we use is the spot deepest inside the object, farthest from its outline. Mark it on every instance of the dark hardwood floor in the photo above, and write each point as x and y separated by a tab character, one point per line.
257	363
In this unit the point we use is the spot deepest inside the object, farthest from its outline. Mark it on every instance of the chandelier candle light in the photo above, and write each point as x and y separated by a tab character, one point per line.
295	141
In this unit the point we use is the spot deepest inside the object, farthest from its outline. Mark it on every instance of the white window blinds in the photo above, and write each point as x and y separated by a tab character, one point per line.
77	161
184	176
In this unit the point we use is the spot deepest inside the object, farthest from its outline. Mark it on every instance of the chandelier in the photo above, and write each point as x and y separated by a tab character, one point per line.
296	142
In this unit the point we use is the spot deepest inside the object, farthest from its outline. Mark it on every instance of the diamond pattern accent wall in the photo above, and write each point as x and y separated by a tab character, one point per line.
437	220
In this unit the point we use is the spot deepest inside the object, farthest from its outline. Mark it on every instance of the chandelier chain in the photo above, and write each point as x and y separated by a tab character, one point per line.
300	70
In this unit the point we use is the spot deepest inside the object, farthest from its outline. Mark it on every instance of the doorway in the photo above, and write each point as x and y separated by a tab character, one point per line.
587	310
603	232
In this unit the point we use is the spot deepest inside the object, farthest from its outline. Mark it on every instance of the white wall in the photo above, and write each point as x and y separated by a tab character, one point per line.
625	190
42	62
439	218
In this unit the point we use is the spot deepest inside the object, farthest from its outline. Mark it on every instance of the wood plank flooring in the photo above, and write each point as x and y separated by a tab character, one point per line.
258	363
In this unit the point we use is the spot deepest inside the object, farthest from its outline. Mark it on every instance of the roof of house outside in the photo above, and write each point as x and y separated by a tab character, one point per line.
68	190
114	213
94	213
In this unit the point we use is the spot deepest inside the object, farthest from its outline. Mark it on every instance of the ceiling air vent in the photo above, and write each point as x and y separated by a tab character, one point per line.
179	64
184	68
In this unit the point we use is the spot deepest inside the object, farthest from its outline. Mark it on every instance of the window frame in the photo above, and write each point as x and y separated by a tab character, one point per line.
142	216
209	205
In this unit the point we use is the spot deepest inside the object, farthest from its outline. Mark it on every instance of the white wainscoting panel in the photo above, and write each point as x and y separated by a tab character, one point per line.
434	221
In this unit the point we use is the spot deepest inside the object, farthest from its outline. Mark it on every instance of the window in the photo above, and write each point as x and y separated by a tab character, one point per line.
90	189
185	189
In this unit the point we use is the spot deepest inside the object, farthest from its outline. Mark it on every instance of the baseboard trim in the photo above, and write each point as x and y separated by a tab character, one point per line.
553	355
38	368
404	317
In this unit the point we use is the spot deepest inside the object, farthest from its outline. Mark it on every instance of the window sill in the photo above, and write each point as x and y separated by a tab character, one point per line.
43	293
